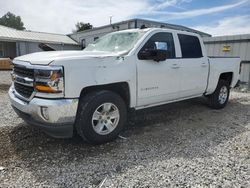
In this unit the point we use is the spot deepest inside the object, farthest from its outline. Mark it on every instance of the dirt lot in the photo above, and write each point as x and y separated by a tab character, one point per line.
178	145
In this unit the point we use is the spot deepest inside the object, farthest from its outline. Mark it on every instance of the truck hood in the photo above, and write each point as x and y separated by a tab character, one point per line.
45	58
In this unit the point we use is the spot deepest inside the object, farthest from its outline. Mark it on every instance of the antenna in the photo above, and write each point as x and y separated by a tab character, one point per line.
110	19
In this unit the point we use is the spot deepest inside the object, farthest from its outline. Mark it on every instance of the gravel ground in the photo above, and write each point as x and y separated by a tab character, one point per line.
184	144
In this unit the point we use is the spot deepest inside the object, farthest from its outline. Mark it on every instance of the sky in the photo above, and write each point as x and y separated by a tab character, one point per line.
216	17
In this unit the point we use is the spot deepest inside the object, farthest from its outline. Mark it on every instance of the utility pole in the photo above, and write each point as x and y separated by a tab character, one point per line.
249	77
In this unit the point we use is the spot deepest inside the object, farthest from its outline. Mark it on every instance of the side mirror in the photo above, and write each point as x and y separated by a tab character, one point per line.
156	55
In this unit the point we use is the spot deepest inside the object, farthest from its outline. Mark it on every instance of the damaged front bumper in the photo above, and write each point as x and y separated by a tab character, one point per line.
56	117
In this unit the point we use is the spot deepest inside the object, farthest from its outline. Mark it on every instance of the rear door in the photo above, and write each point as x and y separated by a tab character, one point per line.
193	67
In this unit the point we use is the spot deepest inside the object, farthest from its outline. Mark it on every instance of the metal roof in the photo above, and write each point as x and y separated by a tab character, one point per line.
10	34
229	38
166	25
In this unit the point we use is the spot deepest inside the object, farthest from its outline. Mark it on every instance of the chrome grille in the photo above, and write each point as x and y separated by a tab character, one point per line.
24	72
23	90
23	81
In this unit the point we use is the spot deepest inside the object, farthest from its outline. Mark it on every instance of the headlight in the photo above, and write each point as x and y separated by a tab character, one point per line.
49	81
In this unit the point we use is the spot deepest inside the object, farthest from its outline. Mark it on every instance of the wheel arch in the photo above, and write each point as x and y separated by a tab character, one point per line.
227	76
120	88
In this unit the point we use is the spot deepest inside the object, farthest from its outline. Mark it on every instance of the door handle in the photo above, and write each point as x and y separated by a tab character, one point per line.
204	65
175	66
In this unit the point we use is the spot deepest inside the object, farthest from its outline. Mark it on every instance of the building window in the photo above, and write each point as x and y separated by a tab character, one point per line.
1	50
96	38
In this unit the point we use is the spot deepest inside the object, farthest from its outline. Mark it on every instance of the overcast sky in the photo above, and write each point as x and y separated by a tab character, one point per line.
224	17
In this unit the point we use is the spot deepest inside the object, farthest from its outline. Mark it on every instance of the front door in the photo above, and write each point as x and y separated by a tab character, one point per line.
158	82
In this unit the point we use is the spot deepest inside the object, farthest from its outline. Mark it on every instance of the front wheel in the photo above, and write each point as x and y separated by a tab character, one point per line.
101	116
219	98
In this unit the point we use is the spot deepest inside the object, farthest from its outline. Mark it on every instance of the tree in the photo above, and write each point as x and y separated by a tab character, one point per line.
11	20
80	26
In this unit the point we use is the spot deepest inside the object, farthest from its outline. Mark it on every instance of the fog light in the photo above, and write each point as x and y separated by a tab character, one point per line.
45	112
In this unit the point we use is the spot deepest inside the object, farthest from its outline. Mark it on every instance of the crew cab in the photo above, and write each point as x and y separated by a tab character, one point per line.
91	91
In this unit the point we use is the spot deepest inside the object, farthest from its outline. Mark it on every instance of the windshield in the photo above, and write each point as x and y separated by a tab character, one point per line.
116	42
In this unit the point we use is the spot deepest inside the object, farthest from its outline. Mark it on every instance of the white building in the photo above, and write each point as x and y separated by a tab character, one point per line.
89	36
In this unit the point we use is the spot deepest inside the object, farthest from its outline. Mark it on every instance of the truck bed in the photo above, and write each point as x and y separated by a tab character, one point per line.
220	65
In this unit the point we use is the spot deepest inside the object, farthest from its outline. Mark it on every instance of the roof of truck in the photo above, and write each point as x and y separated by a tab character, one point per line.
156	29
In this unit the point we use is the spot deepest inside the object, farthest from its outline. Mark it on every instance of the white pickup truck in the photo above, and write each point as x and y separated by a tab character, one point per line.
91	91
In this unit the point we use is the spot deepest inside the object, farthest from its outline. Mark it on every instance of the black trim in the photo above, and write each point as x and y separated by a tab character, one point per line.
245	62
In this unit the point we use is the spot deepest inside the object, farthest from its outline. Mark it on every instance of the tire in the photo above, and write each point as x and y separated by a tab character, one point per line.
101	116
219	98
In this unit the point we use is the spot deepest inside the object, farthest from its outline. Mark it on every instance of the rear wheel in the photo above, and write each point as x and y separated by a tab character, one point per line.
220	97
101	116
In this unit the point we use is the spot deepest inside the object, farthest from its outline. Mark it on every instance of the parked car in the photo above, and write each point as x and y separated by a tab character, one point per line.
91	91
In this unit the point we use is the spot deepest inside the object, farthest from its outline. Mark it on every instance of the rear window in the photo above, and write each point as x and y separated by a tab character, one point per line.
190	46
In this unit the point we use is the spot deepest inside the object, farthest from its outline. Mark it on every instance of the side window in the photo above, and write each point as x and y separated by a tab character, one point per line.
161	41
190	46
